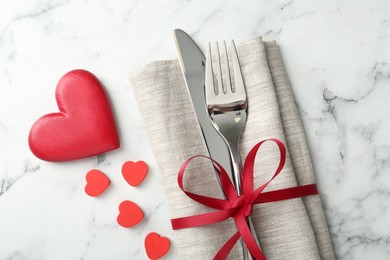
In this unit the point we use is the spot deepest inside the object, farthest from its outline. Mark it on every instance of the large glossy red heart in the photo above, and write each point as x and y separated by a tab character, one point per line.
129	214
156	246
85	125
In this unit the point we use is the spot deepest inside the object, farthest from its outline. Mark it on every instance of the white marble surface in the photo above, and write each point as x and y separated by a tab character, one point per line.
337	55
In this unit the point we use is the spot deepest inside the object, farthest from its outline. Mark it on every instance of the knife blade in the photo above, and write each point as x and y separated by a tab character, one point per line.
192	62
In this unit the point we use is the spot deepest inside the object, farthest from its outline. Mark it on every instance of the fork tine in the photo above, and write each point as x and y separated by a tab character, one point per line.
238	79
228	79
209	77
219	72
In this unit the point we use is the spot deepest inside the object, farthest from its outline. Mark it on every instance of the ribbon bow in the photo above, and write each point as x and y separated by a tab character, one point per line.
239	207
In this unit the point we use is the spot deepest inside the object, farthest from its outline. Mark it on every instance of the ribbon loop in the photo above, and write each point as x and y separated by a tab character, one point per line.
239	207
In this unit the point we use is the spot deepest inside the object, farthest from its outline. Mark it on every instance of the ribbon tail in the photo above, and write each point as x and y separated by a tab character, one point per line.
246	235
227	247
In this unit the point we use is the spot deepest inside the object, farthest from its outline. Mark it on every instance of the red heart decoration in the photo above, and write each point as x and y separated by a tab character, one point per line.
134	172
97	183
129	214
84	126
156	246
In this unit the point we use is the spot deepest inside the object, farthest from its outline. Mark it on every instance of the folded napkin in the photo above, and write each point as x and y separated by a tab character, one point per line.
290	229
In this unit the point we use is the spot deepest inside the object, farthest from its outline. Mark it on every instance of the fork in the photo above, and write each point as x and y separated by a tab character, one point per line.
227	108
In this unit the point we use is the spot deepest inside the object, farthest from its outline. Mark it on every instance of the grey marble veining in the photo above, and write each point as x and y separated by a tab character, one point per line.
337	55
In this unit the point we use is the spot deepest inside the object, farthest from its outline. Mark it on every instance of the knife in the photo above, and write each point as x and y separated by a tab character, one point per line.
192	62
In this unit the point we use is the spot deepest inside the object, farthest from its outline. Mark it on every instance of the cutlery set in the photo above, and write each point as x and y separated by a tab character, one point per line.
214	99
217	90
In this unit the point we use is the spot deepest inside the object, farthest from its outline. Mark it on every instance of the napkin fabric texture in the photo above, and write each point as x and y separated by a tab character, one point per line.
290	229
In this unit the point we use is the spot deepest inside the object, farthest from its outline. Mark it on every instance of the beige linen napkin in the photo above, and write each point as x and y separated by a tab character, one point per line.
291	229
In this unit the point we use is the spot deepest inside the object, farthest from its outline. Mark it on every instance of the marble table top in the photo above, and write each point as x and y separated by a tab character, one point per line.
337	56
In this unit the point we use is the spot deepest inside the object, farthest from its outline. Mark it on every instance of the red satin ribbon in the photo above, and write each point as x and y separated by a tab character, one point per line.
239	207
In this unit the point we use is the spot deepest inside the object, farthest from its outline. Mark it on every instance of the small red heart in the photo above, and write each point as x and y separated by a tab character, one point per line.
156	246
129	214
134	172
97	183
84	126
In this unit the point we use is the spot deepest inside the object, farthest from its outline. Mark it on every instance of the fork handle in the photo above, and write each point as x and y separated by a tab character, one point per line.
237	170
